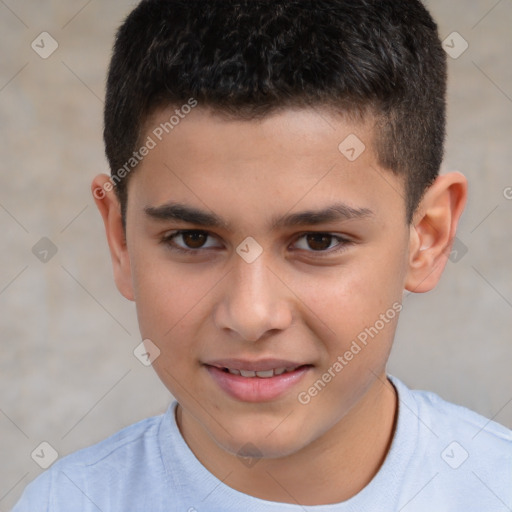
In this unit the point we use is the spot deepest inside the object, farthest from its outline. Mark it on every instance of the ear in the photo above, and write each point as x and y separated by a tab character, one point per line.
432	231
110	210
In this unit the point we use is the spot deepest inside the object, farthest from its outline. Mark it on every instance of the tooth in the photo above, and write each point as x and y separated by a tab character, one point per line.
247	373
279	371
265	374
291	369
233	372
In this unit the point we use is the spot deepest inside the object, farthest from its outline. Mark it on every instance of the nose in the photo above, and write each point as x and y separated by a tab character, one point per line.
254	302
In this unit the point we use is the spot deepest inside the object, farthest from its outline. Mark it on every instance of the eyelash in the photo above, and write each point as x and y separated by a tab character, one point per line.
343	242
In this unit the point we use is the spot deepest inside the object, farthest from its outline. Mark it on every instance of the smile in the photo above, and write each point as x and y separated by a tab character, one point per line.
265	374
256	381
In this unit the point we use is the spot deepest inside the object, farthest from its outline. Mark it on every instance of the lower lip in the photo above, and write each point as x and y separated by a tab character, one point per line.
256	389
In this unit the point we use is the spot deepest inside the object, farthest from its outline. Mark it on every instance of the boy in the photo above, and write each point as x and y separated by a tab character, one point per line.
242	137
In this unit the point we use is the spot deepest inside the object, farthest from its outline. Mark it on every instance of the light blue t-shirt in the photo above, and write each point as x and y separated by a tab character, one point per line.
443	457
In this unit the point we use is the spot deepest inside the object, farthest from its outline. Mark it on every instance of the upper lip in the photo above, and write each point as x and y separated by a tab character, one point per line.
255	366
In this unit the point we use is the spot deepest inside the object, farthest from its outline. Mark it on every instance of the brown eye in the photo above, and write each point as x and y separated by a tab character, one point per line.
194	239
323	244
190	241
319	241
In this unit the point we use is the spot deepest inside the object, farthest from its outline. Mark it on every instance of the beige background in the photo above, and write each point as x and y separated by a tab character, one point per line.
68	375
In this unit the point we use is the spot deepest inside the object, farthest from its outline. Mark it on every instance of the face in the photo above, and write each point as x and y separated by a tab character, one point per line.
258	246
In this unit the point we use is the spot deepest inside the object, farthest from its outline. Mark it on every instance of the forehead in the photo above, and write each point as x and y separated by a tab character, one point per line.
304	158
280	134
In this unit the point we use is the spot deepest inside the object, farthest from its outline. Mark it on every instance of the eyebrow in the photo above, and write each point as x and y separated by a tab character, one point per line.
191	215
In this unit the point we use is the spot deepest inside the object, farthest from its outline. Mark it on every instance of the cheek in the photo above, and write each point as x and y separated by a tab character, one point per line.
165	293
360	307
355	296
168	301
172	304
360	304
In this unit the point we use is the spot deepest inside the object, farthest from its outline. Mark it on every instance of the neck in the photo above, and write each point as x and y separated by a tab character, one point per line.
332	469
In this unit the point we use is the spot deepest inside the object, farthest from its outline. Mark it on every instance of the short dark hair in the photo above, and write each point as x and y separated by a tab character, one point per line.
249	58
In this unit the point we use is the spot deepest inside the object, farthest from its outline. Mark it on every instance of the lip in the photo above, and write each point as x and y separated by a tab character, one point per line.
256	389
255	366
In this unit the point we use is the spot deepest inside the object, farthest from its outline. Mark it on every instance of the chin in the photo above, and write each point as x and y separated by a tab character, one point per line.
257	441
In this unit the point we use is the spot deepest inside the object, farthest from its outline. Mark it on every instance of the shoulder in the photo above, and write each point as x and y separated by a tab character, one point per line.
83	477
450	418
465	453
134	440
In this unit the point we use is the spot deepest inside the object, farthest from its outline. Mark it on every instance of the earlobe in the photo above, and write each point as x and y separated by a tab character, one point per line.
110	210
433	231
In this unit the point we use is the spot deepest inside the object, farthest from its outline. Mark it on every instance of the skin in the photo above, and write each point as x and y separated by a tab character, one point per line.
299	300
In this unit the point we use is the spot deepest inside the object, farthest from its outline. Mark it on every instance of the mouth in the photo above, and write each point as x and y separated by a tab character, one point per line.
262	374
256	381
